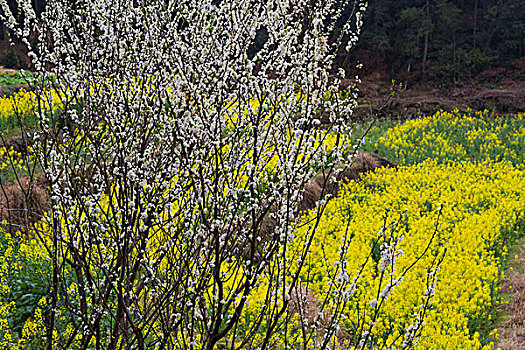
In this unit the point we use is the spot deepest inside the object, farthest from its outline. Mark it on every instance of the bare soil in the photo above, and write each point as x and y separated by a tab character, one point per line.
500	90
512	329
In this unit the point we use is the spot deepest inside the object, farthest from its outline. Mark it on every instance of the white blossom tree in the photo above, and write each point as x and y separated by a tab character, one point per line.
177	162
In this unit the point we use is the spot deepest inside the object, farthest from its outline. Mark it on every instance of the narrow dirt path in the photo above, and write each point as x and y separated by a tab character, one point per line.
512	329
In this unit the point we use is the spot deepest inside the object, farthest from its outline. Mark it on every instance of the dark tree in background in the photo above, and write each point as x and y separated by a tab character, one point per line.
461	37
440	41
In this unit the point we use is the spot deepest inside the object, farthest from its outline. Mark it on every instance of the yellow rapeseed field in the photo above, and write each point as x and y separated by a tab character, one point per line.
15	109
481	205
9	158
449	213
455	136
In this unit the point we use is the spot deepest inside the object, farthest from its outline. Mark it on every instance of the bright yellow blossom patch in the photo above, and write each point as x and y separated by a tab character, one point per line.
450	136
481	204
11	159
440	203
23	103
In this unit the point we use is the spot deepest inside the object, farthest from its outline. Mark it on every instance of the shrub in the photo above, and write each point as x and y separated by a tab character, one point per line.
176	162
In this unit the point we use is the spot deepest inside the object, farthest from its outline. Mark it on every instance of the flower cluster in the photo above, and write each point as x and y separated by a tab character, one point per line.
481	205
157	164
453	135
21	103
408	256
18	109
173	220
11	159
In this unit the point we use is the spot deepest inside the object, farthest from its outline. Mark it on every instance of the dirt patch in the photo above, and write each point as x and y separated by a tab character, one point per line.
23	202
312	312
512	330
20	143
362	163
499	90
507	99
9	90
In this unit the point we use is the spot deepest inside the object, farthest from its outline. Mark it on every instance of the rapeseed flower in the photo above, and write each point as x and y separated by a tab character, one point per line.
481	205
454	136
460	204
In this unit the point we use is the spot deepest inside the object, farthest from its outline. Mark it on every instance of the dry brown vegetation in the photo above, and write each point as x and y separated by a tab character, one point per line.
23	201
500	90
362	163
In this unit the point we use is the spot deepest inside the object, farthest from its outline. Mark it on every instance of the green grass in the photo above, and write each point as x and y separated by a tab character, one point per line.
17	78
11	125
367	133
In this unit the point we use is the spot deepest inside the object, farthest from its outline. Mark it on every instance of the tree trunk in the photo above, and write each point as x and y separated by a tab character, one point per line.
455	74
475	25
427	34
